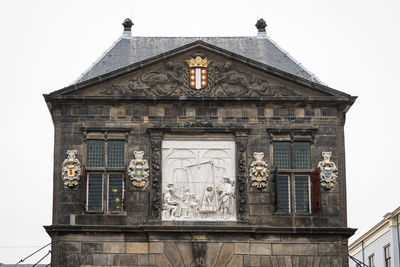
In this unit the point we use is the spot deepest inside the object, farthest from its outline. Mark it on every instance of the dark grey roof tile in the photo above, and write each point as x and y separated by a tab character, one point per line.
127	51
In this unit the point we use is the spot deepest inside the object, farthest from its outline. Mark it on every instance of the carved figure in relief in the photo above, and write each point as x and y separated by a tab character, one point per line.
194	205
172	203
232	82
197	171
328	171
139	171
259	171
208	201
165	82
225	198
71	169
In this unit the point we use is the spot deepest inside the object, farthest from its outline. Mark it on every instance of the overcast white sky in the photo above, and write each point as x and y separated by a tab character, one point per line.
353	46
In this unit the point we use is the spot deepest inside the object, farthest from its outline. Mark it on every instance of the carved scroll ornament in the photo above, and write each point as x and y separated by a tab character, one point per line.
241	145
328	171
71	169
198	124
259	171
155	144
175	79
139	171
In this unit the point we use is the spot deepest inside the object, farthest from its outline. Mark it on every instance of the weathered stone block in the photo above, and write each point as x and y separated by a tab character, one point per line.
294	249
143	259
242	248
69	246
156	247
125	259
269	112
252	260
103	259
171	251
114	247
266	261
186	252
137	247
162	261
236	261
299	112
260	249
213	250
329	249
85	258
92	247
227	252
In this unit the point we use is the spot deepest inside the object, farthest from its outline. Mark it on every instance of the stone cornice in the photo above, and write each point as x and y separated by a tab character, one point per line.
237	229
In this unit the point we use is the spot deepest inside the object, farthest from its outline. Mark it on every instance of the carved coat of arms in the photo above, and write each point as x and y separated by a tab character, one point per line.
328	171
139	171
71	169
259	171
198	74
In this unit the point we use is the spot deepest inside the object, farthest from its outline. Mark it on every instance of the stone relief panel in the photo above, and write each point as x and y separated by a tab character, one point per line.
198	180
215	79
259	171
328	171
139	171
71	169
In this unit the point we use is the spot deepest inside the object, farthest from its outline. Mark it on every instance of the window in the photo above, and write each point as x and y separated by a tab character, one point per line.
293	184
105	175
386	250
371	261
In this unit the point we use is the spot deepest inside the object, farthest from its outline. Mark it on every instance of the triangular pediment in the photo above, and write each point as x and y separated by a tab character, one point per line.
213	72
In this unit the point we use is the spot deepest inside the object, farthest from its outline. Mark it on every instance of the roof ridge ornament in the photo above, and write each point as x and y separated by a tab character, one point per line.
127	27
261	25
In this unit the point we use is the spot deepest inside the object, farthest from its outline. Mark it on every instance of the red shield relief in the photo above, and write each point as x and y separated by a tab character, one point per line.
198	78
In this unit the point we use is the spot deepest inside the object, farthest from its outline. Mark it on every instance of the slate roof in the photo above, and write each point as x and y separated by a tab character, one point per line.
128	50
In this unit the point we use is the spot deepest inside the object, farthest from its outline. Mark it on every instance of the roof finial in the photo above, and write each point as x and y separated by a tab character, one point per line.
127	27
261	25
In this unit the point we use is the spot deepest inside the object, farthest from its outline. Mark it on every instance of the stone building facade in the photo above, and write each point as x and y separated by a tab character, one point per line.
198	152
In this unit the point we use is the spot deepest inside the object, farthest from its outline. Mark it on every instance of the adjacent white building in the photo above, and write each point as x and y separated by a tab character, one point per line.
380	245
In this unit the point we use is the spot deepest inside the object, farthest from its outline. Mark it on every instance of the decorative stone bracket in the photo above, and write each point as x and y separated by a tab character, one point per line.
71	169
328	171
199	243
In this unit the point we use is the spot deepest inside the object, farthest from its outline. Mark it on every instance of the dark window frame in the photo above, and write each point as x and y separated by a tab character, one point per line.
293	136
105	170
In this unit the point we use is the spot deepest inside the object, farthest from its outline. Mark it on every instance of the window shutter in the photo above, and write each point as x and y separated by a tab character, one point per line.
84	187
275	193
316	190
124	190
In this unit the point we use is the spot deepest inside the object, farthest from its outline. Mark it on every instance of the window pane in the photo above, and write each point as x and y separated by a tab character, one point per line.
95	192
115	154
95	153
115	191
302	194
282	186
302	155
371	261
282	155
